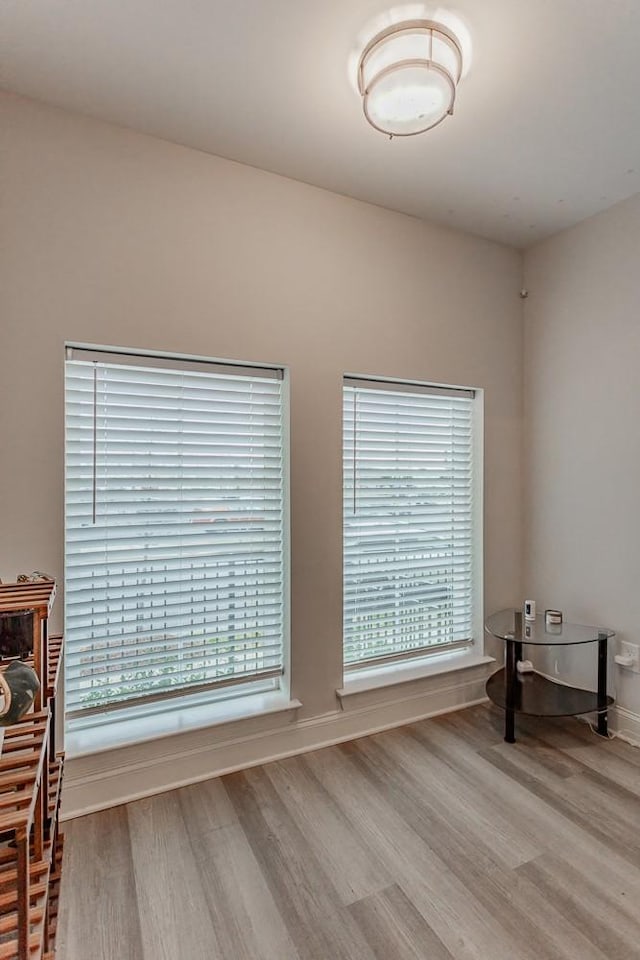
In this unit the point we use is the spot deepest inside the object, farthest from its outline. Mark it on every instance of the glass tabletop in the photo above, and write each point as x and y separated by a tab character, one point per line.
502	626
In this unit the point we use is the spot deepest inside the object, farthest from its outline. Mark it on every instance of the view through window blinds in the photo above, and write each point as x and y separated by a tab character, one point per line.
408	520
174	529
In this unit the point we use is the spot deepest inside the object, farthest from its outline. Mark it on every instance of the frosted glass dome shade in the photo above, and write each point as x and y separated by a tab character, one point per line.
408	100
407	77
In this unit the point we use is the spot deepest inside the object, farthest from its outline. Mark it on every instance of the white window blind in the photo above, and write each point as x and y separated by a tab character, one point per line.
408	520
174	528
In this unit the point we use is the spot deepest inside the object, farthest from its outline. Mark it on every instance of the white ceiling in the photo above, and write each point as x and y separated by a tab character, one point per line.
547	123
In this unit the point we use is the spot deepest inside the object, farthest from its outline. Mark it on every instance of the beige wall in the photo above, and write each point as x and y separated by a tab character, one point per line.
112	237
582	469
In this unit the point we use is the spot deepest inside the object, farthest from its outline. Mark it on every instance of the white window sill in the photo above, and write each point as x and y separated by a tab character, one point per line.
404	671
127	727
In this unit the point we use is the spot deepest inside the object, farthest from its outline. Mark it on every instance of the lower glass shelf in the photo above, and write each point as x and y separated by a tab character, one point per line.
538	697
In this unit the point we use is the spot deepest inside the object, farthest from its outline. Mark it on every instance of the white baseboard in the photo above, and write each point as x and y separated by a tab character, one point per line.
115	777
625	725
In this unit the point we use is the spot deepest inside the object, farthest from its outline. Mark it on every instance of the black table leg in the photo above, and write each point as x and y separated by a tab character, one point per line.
603	724
511	681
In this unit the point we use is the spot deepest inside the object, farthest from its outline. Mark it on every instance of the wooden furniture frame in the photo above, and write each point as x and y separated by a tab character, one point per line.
31	773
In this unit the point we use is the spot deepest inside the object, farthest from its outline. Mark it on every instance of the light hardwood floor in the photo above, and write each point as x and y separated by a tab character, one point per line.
429	842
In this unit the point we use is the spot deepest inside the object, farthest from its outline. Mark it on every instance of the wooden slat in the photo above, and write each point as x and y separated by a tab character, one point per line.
44	891
54	664
54	888
28	596
55	782
9	950
19	785
30	789
9	922
9	900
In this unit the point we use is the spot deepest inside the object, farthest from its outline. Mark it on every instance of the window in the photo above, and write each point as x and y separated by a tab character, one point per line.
174	528
409	519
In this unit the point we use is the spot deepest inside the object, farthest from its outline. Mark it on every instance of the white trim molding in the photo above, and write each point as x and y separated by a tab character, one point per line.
625	725
405	671
131	727
106	779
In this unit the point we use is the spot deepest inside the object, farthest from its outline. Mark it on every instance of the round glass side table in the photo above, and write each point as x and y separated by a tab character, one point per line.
531	693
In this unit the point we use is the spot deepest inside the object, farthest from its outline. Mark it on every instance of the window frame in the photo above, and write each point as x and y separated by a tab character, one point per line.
193	699
427	659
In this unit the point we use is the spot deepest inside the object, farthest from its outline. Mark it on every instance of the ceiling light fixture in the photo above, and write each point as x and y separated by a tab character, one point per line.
407	77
